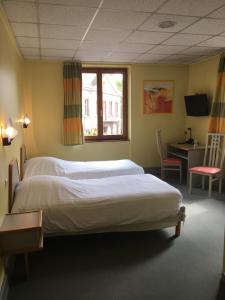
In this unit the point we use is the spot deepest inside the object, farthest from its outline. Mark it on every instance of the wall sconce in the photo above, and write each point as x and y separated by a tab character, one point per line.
26	121
8	133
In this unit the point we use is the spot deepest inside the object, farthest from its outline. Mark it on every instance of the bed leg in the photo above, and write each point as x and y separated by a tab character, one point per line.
177	229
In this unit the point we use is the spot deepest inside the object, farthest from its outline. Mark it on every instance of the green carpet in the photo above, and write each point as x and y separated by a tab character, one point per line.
133	266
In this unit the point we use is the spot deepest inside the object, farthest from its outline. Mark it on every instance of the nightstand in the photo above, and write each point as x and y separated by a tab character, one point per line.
21	233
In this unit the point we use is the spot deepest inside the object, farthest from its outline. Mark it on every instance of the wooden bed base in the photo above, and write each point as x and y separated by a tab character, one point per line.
15	177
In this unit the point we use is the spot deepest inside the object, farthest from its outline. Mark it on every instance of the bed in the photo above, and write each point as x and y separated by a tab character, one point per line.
120	203
75	169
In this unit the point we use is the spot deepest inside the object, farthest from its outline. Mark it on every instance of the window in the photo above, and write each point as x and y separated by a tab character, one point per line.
104	103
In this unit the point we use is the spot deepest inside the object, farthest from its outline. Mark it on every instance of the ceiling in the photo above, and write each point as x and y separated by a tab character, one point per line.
118	31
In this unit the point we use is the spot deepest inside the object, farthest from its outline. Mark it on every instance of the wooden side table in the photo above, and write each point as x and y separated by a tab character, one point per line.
21	233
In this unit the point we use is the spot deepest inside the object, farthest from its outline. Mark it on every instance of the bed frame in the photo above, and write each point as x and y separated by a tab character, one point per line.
23	158
14	179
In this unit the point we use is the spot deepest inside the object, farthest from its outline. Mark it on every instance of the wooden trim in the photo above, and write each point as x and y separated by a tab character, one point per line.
23	158
14	179
99	71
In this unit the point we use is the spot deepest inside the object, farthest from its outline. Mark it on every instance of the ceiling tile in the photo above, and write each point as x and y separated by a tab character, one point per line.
20	11
206	26
186	39
87	45
28	42
124	56
166	49
57	53
191	7
178	59
25	29
61	32
217	41
133	47
135	5
56	58
66	15
84	3
109	36
89	55
219	13
30	51
181	22
119	19
59	44
151	57
201	51
148	37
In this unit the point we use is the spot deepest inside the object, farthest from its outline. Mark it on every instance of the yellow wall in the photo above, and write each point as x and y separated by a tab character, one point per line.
44	103
202	79
11	91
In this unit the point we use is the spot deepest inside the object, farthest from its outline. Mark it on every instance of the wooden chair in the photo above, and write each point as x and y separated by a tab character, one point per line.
167	163
213	162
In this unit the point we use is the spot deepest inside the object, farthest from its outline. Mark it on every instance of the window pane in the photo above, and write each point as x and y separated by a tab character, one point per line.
112	98
89	104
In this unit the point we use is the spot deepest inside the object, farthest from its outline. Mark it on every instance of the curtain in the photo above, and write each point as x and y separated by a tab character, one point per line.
217	116
73	129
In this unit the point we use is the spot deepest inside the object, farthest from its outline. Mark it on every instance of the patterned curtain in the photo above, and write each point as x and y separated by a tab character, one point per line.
73	130
217	117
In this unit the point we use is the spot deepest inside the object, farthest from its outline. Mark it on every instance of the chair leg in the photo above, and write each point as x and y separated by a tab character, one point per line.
190	182
210	187
203	182
220	185
181	174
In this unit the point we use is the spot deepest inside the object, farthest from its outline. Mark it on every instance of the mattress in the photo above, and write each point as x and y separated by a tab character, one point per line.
76	206
80	170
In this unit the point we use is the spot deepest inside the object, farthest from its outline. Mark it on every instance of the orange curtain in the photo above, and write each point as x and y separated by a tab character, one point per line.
73	129
217	116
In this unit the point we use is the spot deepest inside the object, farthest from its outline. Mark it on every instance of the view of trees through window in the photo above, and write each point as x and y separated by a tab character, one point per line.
103	103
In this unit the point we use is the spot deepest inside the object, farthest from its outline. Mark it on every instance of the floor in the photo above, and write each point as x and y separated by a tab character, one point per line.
133	266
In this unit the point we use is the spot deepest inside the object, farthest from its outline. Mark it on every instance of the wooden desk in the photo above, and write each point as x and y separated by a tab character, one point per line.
193	155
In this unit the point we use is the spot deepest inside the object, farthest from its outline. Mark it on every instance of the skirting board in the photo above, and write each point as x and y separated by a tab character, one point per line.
4	289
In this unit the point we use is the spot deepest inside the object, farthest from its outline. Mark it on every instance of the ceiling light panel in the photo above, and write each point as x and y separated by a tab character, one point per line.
148	37
20	11
152	24
66	15
191	7
25	29
134	5
206	26
119	19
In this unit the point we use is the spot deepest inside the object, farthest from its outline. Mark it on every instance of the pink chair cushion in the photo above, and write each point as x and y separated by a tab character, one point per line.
205	170
172	161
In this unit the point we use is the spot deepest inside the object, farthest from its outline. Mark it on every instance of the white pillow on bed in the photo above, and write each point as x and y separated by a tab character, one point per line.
44	166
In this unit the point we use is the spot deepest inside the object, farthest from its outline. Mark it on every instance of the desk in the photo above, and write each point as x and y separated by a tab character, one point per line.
193	155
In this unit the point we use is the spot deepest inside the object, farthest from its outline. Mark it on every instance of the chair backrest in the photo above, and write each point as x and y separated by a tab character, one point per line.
214	150
162	152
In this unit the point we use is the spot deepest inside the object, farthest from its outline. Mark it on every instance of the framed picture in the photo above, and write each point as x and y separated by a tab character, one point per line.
158	96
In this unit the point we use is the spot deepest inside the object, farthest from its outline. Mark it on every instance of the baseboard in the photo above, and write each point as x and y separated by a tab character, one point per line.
4	289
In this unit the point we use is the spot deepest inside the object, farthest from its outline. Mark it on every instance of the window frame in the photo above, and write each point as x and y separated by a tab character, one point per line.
101	137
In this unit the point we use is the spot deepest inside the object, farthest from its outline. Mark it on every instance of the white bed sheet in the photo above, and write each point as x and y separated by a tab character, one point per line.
78	169
75	206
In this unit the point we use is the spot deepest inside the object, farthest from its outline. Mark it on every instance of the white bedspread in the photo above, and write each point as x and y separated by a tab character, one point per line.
80	170
72	206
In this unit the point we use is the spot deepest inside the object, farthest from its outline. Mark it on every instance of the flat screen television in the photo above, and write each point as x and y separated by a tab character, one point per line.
197	105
